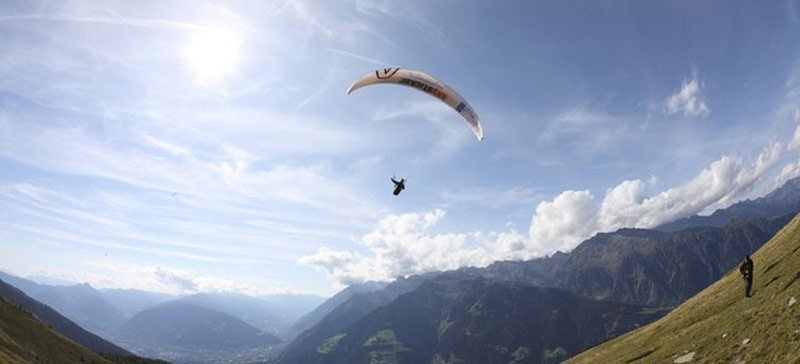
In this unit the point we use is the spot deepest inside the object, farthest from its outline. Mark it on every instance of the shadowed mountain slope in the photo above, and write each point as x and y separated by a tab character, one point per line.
58	322
353	307
271	313
254	311
181	324
719	324
456	319
182	332
314	317
25	339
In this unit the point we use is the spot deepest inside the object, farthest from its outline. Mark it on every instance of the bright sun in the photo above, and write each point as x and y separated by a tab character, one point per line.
212	54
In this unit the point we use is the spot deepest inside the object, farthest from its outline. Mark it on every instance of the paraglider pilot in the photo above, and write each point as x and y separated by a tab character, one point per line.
398	185
746	269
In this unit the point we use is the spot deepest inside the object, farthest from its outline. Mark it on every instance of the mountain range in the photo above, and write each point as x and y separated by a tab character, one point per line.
450	318
356	302
185	331
133	301
80	303
316	315
272	313
541	310
213	326
184	324
646	269
291	307
781	201
653	270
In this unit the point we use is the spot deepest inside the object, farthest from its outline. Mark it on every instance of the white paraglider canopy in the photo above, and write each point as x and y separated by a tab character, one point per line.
425	83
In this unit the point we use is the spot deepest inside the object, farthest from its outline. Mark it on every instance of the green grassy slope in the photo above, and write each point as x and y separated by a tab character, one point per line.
719	324
24	339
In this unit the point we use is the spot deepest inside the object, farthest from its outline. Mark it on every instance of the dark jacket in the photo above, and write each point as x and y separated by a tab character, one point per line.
746	269
398	185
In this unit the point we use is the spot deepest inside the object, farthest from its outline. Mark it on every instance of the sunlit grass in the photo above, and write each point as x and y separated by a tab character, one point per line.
719	324
24	339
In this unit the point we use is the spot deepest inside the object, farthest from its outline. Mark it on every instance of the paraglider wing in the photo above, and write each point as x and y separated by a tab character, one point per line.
425	83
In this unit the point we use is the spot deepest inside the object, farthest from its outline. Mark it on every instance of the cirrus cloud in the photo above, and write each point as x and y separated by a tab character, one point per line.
689	99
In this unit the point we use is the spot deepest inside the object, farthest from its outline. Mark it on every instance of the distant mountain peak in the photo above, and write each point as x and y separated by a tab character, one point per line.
783	200
790	190
182	324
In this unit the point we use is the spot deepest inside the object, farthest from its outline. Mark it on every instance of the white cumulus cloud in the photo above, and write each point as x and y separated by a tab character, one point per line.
788	172
403	244
563	222
572	217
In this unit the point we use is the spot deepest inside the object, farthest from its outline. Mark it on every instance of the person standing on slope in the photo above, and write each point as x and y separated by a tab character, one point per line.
746	269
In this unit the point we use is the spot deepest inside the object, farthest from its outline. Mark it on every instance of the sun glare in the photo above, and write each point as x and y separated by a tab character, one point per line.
212	54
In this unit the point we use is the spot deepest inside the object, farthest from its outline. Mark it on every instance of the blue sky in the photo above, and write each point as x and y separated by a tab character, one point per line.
185	146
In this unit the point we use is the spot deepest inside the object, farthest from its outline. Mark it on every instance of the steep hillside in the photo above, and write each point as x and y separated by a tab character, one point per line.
356	306
24	339
58	322
312	318
452	319
719	324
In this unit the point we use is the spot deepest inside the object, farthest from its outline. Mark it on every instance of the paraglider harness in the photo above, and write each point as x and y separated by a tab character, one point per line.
398	185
